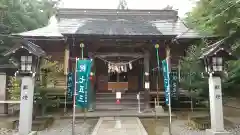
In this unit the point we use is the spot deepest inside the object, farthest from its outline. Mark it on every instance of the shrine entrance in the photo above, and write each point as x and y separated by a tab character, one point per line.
124	72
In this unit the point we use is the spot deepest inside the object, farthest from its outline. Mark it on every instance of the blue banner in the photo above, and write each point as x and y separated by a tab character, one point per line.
166	80
82	83
174	87
70	85
174	83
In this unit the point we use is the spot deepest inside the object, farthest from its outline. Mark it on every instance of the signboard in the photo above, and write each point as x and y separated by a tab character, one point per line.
70	85
174	86
118	95
166	80
83	69
147	85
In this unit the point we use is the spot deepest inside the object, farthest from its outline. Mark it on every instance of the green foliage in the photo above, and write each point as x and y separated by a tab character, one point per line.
215	16
14	88
191	71
220	18
23	15
50	71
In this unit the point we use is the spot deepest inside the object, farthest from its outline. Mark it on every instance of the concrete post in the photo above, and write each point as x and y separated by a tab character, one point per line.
146	80
3	93
26	106
216	109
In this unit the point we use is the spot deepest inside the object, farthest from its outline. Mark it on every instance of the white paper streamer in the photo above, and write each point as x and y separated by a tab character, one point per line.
130	65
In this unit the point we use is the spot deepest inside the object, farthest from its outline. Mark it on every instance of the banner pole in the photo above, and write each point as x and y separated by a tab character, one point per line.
74	99
158	72
84	109
169	100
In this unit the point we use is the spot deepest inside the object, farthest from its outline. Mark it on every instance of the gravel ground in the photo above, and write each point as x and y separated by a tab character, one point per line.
64	127
179	127
4	131
61	127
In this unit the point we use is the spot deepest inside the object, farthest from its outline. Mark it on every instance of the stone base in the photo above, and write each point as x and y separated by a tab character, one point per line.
165	131
159	109
211	132
31	133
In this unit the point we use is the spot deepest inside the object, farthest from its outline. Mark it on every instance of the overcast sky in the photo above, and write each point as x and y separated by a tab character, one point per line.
183	6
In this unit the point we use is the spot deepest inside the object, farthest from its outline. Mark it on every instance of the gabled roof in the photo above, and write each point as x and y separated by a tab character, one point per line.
29	46
115	22
218	47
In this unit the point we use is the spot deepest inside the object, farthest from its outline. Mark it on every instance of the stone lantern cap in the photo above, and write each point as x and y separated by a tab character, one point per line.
29	46
218	49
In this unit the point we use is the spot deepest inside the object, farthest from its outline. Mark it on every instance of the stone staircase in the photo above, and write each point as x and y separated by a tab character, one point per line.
128	101
61	83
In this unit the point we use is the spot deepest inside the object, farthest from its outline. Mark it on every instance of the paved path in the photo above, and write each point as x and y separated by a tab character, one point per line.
119	126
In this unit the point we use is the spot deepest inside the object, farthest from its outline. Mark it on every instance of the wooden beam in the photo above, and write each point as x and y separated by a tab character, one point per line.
133	55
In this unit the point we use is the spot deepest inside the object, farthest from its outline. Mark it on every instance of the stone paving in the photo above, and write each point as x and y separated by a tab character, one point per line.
119	126
64	127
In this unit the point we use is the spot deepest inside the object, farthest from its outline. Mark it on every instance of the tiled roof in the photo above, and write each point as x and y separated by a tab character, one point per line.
118	22
31	47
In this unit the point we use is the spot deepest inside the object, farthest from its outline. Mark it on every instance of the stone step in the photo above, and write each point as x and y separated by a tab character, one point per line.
115	107
114	95
121	102
122	99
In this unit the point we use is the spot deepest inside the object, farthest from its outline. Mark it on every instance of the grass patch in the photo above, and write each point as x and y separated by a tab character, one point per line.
155	127
202	123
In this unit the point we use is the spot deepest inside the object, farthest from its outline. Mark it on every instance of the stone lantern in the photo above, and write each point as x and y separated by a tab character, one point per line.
26	56
214	58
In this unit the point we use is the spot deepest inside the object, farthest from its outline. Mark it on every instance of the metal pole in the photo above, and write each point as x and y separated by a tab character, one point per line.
82	52
74	99
157	100
84	109
157	46
169	104
65	104
155	109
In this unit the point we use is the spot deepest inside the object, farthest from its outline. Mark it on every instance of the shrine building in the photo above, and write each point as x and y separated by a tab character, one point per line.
122	46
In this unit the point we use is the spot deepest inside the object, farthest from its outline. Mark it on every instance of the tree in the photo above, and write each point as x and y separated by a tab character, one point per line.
191	71
168	7
215	16
220	18
122	5
23	15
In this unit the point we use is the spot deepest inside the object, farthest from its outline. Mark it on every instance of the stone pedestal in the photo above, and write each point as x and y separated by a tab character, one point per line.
211	132
26	106
159	109
3	94
216	109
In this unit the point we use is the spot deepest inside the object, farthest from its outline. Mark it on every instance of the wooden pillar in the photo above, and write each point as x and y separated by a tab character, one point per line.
3	93
146	80
168	56
66	59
